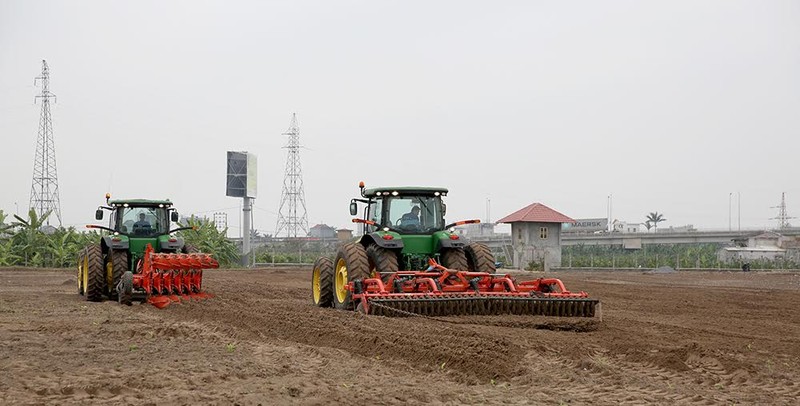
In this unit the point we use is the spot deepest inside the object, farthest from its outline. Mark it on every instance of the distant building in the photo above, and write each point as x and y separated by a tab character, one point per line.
680	229
768	245
322	231
625	227
536	235
476	230
344	234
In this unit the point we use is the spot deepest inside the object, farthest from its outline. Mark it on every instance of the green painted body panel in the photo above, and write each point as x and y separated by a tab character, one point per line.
417	244
425	244
137	245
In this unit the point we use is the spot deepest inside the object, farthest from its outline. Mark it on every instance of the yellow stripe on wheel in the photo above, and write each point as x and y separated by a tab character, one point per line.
341	280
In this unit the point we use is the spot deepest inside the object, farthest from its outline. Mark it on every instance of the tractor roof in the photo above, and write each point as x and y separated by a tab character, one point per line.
139	202
406	190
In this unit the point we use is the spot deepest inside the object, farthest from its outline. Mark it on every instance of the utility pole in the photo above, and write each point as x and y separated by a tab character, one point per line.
44	186
739	208
293	196
730	196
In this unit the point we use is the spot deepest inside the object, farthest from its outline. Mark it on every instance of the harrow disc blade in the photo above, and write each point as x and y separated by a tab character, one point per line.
480	306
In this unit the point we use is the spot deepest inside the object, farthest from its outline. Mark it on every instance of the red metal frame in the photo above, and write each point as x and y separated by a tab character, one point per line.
167	278
438	281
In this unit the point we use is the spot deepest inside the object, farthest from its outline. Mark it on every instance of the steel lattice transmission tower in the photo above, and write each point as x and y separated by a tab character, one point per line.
783	217
293	197
44	188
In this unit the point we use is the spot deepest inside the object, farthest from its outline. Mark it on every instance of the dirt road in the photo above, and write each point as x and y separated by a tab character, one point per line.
700	338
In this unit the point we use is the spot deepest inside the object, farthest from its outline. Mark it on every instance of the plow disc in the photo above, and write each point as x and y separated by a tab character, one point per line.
168	278
439	291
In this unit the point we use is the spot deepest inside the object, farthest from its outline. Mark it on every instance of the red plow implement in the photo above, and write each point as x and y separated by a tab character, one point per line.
167	278
439	291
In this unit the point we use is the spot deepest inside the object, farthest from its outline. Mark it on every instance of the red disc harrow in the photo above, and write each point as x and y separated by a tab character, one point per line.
439	291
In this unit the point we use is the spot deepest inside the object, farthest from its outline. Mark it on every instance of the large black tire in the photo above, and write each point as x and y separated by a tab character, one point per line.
322	282
95	279
116	265
480	258
124	289
351	263
454	259
382	260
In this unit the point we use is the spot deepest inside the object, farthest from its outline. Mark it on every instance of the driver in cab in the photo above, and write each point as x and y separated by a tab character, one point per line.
411	218
142	224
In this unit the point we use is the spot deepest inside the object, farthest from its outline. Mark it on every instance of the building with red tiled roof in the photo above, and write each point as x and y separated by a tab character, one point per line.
536	236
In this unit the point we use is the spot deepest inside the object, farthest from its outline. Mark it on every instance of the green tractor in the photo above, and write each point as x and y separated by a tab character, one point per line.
403	228
133	225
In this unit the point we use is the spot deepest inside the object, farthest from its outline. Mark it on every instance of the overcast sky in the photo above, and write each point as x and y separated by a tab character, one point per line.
668	106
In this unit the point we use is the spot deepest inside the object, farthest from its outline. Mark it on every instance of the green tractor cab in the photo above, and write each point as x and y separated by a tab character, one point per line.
133	224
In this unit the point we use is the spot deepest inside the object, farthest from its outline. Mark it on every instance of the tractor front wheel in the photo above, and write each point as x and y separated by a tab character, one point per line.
480	258
382	261
322	282
116	265
351	263
455	259
125	288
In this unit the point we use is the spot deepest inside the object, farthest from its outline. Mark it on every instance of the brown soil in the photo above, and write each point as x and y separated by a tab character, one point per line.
707	338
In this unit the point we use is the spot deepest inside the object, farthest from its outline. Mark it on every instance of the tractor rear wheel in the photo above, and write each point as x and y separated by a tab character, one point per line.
480	258
382	261
351	263
322	282
116	265
455	259
93	276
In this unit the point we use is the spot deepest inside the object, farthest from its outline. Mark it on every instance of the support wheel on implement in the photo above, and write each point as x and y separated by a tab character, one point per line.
322	282
116	265
124	288
351	263
480	258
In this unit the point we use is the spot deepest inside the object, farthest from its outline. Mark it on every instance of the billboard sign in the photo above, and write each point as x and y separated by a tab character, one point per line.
586	225
241	179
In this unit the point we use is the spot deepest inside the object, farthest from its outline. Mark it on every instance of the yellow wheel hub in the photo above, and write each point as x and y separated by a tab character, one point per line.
85	274
315	285
80	275
341	280
109	273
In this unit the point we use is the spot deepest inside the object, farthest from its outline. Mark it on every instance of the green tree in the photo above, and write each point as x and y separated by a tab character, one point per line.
654	218
29	242
206	238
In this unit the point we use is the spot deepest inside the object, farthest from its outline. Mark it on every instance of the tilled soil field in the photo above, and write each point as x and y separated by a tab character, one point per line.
700	338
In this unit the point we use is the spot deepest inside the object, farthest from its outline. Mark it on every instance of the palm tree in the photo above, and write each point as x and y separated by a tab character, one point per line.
654	218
